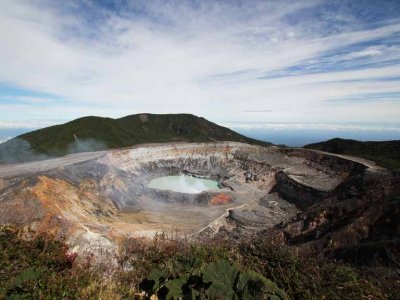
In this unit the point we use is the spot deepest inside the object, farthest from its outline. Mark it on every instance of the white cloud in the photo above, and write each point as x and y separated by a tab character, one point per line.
314	126
370	51
4	140
26	124
204	61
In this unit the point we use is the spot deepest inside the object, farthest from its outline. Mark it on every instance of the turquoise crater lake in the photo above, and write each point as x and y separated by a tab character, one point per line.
183	184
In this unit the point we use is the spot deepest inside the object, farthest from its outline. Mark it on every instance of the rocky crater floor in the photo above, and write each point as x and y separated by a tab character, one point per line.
95	200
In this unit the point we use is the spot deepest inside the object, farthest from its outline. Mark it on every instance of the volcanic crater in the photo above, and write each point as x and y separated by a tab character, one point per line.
94	200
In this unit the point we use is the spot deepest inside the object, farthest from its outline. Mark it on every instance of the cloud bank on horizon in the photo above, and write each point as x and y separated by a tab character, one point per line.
313	61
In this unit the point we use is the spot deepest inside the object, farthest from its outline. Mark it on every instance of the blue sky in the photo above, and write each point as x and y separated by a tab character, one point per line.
333	63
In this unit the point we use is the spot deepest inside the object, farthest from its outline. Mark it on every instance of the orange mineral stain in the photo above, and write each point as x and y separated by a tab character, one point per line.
221	199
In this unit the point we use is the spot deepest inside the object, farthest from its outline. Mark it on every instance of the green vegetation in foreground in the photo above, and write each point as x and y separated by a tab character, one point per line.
96	133
386	154
41	268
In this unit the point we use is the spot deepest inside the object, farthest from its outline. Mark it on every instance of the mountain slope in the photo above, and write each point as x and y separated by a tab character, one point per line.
97	133
385	153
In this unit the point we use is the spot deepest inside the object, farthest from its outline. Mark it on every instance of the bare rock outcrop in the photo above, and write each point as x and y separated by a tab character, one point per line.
93	200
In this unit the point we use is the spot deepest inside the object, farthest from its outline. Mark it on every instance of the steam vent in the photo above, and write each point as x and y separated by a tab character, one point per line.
94	199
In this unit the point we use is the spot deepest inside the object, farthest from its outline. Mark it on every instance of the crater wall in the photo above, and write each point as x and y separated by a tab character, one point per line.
94	199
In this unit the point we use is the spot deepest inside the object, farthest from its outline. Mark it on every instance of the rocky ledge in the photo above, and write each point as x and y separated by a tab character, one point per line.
93	200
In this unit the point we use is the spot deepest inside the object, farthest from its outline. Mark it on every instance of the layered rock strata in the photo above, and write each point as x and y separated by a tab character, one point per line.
93	200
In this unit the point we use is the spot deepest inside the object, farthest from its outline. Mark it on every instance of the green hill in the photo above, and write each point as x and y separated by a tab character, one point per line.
96	133
386	153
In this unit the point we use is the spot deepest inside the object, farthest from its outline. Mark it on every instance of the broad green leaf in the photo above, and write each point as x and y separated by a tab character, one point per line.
223	277
253	285
158	276
174	287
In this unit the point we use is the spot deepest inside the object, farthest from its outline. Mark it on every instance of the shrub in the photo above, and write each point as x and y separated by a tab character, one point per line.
43	268
218	280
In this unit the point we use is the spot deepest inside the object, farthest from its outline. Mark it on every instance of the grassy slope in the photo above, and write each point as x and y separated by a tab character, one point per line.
96	133
385	153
